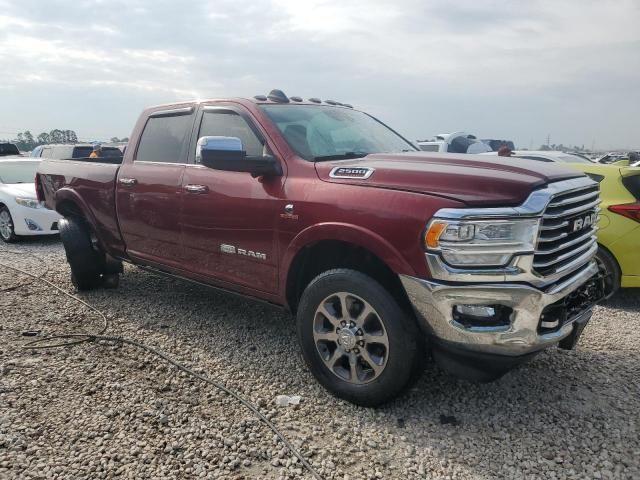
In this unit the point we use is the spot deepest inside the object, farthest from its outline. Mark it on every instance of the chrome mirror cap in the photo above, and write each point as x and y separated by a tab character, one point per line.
230	146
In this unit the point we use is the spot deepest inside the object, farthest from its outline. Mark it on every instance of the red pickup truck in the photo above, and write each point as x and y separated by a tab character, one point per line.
384	253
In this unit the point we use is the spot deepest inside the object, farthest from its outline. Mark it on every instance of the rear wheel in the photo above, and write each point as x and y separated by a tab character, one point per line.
7	231
610	269
356	340
86	262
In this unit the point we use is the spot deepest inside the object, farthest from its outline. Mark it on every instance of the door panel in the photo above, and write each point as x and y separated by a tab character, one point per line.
149	189
229	230
149	198
229	218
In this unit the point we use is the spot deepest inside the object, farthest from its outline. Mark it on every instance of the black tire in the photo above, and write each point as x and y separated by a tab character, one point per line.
405	341
8	235
610	269
86	263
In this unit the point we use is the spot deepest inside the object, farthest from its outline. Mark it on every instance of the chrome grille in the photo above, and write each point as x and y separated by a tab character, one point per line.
560	247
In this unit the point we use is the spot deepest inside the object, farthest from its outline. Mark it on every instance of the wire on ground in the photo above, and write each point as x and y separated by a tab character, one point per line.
77	338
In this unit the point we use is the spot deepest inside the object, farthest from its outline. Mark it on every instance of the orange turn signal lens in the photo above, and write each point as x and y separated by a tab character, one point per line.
432	235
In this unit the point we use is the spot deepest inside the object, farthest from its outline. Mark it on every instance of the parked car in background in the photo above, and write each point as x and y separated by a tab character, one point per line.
21	214
36	152
496	144
458	142
8	149
71	151
374	246
612	157
619	225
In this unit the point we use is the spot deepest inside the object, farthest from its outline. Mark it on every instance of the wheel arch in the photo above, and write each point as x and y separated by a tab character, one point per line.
70	204
329	246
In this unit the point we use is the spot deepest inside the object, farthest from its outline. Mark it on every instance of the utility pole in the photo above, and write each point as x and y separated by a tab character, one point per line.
549	140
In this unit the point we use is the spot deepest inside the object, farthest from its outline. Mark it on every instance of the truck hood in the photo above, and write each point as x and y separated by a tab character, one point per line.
477	180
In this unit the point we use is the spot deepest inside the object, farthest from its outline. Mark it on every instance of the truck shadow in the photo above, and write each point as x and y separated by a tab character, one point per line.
532	415
626	299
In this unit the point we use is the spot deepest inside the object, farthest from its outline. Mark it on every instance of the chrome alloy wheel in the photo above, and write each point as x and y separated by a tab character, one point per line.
350	337
6	225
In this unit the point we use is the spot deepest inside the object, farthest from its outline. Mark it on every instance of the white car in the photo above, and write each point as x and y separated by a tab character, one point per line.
21	214
458	142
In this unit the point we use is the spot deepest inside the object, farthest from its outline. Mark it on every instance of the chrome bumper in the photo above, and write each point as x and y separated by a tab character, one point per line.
434	303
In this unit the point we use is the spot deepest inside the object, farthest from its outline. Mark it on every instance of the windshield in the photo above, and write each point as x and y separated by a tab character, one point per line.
321	132
23	172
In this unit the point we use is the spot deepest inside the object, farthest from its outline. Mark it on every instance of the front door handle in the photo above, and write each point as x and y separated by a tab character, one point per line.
127	181
196	188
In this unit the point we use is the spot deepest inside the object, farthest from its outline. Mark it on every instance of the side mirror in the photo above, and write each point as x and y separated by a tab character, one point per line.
227	153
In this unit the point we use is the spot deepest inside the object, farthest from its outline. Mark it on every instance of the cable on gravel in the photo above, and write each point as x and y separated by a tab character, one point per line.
77	338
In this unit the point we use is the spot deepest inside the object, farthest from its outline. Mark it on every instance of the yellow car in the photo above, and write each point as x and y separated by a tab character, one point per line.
619	227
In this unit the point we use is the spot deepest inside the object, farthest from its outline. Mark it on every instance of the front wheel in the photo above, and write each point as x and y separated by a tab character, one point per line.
7	230
610	269
356	339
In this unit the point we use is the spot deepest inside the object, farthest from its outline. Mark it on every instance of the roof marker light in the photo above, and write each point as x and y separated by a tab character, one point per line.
278	96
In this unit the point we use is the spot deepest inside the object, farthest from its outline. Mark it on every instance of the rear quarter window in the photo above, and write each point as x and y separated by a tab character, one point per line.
165	139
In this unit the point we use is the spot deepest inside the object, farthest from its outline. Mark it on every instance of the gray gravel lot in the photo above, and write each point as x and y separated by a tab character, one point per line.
107	411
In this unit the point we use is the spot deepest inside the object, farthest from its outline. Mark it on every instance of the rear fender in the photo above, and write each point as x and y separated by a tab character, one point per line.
65	196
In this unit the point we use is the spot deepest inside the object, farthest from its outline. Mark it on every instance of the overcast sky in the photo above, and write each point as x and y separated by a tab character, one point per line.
502	69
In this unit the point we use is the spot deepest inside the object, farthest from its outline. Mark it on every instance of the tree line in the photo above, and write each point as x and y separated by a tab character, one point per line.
25	141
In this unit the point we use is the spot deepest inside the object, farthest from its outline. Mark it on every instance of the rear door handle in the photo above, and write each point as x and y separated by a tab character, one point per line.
127	181
196	188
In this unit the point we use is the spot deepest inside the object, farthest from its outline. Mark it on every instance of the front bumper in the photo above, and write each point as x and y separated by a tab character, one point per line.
434	304
42	220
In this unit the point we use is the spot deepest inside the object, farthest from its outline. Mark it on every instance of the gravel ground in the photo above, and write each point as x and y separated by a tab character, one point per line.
105	411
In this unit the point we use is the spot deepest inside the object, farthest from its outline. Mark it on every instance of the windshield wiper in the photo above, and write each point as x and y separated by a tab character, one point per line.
341	156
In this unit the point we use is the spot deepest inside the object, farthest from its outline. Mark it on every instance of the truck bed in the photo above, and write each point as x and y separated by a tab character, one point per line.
91	184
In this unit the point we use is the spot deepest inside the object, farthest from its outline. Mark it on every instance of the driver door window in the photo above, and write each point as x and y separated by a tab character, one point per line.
230	124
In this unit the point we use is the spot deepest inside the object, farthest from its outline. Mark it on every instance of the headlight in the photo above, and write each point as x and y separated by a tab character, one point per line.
28	202
484	243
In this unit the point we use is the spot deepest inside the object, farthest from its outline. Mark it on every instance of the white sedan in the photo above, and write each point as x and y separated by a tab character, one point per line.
21	213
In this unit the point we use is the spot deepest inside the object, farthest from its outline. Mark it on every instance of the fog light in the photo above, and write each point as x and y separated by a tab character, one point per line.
31	225
476	310
482	316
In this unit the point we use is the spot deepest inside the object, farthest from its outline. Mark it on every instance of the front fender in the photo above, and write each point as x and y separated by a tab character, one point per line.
344	232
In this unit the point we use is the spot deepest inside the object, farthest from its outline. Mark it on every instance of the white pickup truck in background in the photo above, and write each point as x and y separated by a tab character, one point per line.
458	142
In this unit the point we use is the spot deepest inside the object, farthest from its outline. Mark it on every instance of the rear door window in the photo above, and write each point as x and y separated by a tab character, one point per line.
165	139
